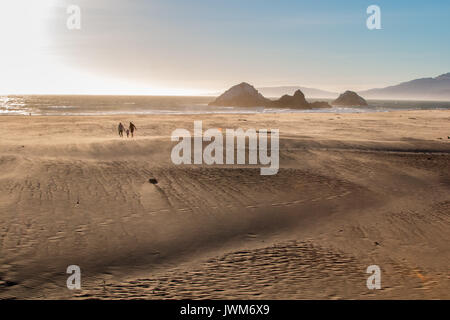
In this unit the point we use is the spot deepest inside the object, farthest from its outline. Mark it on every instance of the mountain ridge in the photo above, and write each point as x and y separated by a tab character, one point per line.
426	88
279	91
437	88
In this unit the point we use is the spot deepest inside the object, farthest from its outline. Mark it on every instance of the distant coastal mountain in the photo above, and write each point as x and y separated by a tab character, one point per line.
437	88
245	95
276	92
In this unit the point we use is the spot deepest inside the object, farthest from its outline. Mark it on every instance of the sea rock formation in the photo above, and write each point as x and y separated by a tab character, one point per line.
319	104
245	95
349	99
241	95
298	101
295	101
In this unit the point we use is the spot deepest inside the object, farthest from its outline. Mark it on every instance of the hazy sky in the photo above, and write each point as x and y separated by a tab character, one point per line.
196	46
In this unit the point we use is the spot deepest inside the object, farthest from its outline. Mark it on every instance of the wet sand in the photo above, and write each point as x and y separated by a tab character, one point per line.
353	190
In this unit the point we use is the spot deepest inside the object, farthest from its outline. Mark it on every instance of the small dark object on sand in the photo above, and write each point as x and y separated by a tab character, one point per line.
10	283
377	243
153	181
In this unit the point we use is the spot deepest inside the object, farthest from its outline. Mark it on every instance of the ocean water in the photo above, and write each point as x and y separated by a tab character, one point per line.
110	105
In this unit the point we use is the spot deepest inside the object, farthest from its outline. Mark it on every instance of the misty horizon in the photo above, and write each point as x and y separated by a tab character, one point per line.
312	93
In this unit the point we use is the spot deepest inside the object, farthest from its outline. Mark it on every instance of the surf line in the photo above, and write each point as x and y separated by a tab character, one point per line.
213	153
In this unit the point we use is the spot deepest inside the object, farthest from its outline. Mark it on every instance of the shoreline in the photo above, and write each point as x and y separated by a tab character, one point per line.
200	113
294	111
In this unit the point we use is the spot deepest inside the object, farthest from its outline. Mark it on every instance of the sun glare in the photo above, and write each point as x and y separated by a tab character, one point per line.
24	35
28	64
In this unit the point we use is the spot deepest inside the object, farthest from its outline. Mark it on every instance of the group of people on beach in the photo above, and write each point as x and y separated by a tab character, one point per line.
131	129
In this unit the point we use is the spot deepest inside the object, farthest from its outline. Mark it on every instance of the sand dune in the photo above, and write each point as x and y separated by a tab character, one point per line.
352	190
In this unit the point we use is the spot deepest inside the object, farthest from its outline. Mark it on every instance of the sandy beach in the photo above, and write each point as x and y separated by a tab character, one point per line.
353	190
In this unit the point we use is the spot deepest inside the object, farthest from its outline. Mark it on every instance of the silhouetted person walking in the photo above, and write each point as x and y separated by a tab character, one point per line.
121	129
132	129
